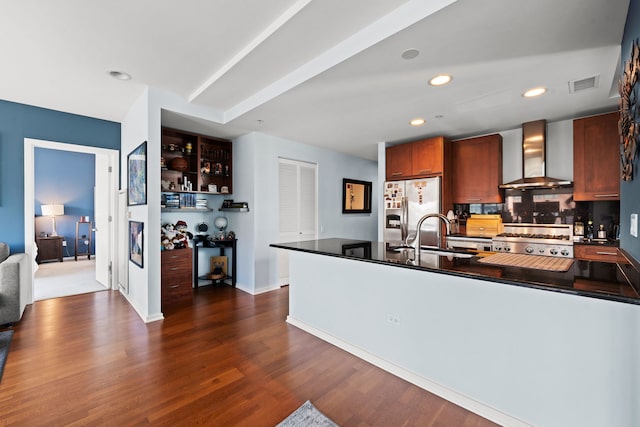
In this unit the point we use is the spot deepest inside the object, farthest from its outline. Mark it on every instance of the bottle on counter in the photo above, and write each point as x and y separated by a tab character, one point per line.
578	228
602	233
589	232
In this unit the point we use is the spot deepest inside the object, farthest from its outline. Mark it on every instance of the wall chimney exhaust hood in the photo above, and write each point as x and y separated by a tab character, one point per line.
534	147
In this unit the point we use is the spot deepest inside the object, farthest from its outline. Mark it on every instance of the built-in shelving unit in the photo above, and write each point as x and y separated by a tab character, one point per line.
193	163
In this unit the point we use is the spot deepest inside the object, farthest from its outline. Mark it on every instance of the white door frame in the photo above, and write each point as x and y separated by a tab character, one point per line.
29	196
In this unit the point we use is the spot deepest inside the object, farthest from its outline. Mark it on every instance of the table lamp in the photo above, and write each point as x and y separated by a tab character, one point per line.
53	211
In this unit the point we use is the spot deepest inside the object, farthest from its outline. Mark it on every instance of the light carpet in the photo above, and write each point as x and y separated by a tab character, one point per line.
5	340
307	416
61	279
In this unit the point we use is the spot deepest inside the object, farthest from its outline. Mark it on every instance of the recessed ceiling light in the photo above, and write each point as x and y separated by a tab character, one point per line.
536	91
417	122
120	75
410	53
441	79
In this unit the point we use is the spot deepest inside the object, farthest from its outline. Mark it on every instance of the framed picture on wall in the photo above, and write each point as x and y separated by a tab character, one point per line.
137	176
356	196
136	243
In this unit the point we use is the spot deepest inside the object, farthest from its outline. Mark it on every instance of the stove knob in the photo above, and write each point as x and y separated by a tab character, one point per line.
541	250
507	249
528	250
564	252
553	251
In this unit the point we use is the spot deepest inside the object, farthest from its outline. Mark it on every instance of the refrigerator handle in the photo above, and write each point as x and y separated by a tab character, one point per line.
404	227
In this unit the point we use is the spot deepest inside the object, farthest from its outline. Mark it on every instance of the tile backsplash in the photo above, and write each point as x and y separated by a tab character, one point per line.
546	206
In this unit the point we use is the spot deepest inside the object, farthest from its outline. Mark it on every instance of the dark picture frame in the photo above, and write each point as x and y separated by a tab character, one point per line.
356	196
136	243
137	176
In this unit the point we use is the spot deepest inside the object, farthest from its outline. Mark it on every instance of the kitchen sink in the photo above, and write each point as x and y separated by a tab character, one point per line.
447	252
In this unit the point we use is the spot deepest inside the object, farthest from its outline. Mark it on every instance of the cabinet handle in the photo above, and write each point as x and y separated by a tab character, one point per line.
607	195
396	173
174	268
606	253
474	200
425	170
175	286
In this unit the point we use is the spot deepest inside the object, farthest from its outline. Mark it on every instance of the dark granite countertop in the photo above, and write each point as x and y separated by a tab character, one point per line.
616	282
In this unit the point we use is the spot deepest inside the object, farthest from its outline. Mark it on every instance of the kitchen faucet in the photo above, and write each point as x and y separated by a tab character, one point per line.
444	219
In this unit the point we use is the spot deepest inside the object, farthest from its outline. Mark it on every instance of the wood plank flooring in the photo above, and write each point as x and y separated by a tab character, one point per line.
227	359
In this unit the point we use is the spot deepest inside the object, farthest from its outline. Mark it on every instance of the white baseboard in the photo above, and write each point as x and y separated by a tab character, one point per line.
444	392
145	318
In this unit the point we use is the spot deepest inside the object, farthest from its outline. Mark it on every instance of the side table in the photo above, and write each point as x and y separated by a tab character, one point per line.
222	246
49	248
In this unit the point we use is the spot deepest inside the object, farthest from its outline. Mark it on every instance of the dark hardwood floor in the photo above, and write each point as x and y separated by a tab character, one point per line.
228	359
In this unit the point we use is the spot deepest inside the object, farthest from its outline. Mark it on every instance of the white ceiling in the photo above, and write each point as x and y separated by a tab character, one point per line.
321	72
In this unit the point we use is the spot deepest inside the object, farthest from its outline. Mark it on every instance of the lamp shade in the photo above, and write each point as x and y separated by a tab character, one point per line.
52	210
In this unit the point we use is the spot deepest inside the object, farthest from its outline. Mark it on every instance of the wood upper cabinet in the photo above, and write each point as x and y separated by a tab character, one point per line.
596	158
416	159
477	170
427	157
398	161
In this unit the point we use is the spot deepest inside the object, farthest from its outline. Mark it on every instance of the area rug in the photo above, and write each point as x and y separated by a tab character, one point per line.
5	340
307	416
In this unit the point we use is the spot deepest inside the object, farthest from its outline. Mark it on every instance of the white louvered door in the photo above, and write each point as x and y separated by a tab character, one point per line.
298	210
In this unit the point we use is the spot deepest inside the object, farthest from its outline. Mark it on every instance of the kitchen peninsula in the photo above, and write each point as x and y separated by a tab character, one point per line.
491	339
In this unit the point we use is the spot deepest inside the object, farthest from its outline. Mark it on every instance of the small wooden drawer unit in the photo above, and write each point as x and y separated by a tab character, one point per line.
597	253
177	274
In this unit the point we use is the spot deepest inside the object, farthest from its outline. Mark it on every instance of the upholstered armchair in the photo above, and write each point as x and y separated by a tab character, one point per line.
13	277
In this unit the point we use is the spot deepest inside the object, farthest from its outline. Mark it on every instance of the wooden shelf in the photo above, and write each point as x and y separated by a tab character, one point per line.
234	209
203	161
187	209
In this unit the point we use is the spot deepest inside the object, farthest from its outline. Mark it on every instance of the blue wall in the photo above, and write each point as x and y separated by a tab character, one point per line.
66	178
630	191
19	121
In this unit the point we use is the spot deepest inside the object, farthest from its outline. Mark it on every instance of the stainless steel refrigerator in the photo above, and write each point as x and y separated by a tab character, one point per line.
405	202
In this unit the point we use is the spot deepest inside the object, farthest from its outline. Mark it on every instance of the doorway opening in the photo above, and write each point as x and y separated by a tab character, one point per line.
105	205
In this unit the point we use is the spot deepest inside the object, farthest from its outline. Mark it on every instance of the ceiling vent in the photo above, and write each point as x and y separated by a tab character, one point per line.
583	84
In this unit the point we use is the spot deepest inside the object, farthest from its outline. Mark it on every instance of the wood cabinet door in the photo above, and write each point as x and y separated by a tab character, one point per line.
596	158
398	161
477	170
427	157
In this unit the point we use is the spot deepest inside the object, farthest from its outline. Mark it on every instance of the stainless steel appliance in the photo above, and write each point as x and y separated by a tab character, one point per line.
405	202
534	173
479	244
554	240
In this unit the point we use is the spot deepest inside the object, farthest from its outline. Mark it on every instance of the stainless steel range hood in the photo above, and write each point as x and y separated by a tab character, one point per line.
534	147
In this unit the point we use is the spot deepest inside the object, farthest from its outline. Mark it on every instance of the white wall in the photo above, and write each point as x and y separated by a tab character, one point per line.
542	357
256	157
255	181
134	131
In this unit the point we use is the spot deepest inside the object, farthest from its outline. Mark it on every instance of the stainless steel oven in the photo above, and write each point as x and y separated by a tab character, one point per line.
554	240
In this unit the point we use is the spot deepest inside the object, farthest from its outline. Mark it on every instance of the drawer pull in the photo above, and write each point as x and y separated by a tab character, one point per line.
607	195
175	268
606	253
396	173
175	286
474	200
425	170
